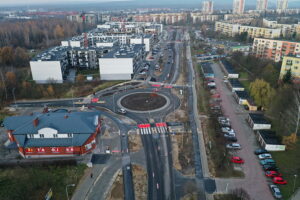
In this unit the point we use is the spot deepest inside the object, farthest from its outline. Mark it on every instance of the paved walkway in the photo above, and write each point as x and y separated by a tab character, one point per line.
296	195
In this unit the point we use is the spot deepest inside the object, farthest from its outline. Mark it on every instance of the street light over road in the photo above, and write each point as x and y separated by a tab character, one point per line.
70	185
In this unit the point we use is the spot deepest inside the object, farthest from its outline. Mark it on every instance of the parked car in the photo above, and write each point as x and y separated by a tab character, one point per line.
227	130
275	191
122	111
279	180
272	173
267	161
233	146
232	139
264	156
260	151
230	134
270	167
236	159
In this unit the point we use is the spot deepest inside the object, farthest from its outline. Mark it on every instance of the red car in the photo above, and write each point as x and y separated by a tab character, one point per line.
273	174
236	159
279	180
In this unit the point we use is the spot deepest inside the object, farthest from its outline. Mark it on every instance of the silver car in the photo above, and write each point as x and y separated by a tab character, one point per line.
264	156
275	191
233	146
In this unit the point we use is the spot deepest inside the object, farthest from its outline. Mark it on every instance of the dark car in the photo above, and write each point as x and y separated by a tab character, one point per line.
260	151
270	167
232	139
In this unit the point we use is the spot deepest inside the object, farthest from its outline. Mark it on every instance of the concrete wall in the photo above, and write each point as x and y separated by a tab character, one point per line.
115	68
46	71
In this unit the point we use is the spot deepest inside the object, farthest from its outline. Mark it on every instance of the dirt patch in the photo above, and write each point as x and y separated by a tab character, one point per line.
135	142
185	155
117	192
140	182
143	101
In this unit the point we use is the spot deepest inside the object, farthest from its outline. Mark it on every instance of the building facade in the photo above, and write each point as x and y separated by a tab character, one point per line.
282	6
165	18
286	29
231	30
207	7
54	134
121	63
291	63
274	49
261	5
199	17
238	6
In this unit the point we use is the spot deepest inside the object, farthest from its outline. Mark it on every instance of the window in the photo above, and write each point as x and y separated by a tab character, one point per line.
55	135
70	135
88	146
41	135
30	136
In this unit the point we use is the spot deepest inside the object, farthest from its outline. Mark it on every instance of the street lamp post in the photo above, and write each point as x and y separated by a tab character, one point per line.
70	185
295	177
13	92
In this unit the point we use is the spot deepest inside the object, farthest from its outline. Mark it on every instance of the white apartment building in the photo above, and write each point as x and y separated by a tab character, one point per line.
282	6
121	63
231	30
238	6
207	7
261	5
147	40
49	67
199	17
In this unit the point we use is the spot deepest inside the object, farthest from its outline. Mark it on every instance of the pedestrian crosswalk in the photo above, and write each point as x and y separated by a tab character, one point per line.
149	129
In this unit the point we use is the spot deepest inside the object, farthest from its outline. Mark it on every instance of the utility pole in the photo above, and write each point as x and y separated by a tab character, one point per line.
298	119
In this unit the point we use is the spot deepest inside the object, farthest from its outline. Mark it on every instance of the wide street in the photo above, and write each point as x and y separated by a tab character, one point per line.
164	181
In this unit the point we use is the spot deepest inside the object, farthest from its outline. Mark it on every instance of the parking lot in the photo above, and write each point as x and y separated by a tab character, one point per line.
255	182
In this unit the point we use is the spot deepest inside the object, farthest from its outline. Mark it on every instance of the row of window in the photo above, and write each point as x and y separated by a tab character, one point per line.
69	135
52	149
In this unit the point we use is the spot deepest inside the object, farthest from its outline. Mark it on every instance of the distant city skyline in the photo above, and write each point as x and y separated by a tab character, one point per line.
138	2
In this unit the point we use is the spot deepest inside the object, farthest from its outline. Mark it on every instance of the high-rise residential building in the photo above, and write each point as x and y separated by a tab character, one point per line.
261	5
207	7
282	6
238	6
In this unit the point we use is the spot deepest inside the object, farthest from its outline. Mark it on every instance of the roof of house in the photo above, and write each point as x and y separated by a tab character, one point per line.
80	124
269	137
206	68
235	83
242	94
228	67
258	118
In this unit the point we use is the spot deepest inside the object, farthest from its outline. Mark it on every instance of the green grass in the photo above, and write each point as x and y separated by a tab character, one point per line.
243	75
246	84
33	182
88	72
288	163
107	84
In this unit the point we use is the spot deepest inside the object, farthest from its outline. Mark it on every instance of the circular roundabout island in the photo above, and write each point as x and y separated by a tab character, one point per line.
144	101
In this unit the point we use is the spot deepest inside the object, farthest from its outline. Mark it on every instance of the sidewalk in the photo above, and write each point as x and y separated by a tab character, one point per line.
296	195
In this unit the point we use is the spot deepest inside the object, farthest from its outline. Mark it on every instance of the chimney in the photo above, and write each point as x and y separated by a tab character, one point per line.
66	116
36	122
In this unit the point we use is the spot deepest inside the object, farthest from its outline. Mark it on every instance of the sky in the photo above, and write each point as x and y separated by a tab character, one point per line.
147	2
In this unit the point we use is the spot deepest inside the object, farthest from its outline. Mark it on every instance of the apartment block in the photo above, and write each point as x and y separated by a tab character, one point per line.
199	17
207	7
261	5
274	49
282	6
121	63
165	18
286	29
238	6
231	30
291	63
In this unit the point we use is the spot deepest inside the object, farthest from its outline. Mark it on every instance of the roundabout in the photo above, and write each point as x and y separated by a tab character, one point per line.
141	102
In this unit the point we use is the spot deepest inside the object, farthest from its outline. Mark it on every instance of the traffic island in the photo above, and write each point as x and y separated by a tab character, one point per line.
144	102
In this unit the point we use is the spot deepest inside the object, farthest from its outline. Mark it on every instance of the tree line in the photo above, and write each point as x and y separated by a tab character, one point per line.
37	34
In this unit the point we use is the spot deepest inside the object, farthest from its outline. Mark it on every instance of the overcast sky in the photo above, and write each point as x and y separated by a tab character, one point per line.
30	2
